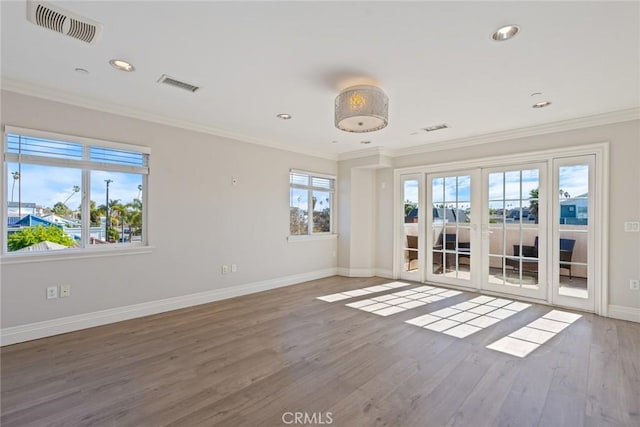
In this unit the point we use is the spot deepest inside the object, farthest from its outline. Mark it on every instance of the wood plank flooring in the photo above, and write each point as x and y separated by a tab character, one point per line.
249	360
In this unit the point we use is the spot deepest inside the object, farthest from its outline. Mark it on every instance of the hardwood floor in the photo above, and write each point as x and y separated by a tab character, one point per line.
255	359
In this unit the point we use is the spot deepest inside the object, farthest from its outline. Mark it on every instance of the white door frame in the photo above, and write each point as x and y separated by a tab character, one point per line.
601	205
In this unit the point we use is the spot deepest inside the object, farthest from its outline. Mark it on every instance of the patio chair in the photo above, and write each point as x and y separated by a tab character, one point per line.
566	254
412	245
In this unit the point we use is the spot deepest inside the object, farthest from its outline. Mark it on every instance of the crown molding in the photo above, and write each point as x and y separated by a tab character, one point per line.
357	154
56	95
546	128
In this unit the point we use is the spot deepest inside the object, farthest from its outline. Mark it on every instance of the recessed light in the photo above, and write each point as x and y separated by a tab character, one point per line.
81	70
121	65
284	116
541	104
536	94
365	142
505	33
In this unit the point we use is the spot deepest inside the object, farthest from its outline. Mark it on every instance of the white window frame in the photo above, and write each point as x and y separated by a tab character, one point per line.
310	188
86	166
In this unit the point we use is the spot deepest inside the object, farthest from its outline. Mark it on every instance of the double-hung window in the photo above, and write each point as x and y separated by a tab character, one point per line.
310	193
66	193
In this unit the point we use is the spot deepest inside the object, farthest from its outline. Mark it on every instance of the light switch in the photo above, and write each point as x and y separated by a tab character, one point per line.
632	226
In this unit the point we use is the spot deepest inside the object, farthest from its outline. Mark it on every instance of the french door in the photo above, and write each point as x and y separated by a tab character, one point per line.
526	229
514	230
452	238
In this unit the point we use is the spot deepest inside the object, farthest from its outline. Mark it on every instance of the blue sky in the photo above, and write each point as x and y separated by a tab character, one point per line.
573	180
47	185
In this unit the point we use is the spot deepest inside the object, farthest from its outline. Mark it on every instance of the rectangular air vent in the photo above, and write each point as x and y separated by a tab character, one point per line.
61	21
435	127
177	83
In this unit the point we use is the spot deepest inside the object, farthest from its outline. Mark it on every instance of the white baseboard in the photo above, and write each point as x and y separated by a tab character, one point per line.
32	331
386	274
356	272
624	313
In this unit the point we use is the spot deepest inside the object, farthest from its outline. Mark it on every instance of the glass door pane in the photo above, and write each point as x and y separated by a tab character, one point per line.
514	230
573	232
410	268
450	232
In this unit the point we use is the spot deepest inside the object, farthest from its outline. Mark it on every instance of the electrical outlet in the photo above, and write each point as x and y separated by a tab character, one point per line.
225	269
634	284
234	268
52	292
65	291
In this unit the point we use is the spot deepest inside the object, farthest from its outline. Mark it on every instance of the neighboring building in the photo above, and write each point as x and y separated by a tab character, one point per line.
62	221
446	215
575	210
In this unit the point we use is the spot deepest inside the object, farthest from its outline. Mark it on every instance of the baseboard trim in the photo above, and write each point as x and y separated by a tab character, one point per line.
624	313
32	331
356	272
385	274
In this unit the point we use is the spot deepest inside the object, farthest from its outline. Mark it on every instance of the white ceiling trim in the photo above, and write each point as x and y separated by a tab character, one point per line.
51	94
560	126
79	101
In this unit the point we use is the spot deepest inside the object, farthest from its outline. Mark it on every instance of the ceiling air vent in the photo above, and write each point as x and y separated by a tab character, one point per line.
164	79
435	127
62	21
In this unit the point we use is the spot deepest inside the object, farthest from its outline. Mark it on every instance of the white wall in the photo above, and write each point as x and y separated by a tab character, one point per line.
246	224
624	193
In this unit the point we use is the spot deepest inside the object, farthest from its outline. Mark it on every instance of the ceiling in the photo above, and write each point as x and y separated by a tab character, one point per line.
435	60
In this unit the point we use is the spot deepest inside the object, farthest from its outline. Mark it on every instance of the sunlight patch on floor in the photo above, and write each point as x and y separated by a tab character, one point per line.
363	291
526	339
466	318
386	305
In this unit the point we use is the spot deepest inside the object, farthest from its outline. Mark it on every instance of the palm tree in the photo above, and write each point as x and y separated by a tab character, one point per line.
134	217
533	203
16	177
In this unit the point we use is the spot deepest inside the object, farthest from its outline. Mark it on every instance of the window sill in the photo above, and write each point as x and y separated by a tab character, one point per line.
23	258
311	237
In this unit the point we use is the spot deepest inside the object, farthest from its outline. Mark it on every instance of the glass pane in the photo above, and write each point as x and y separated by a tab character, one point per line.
574	194
463	213
410	260
411	202
496	213
298	211
437	190
496	241
298	178
512	185
496	272
32	146
438	258
530	183
464	188
411	188
496	184
573	259
321	211
450	185
43	208
116	207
